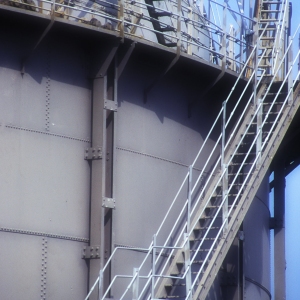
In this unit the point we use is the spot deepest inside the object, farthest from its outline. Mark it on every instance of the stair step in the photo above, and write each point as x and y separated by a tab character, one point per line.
264	66
271	2
240	174
267	20
215	206
270	11
274	94
194	262
202	250
269	28
242	154
267	38
238	164
206	239
209	217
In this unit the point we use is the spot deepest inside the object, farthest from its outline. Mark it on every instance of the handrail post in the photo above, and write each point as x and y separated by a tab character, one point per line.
153	266
255	60
225	174
223	132
190	30
188	218
121	18
187	265
290	65
178	26
259	117
135	286
223	43
100	289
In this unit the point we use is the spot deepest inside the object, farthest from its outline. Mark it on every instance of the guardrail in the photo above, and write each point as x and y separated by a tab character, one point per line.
206	29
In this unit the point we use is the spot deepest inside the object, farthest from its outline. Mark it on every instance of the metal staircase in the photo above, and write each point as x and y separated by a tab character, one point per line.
185	264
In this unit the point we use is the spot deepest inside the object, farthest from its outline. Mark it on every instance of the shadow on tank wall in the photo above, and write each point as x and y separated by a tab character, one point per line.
189	80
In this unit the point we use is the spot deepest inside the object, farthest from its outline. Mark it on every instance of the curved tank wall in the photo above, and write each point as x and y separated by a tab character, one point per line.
45	127
44	214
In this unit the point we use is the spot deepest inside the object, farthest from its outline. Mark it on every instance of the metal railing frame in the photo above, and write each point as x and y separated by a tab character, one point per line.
201	24
151	248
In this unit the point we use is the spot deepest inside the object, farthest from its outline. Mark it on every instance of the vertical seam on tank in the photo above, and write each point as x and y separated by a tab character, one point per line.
48	83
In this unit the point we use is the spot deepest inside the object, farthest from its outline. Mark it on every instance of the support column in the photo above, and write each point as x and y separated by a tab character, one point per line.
102	201
96	210
279	231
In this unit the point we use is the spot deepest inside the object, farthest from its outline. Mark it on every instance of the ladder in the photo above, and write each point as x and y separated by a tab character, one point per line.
273	19
185	265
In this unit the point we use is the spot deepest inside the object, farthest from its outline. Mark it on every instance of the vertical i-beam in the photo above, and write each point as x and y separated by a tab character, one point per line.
279	231
99	94
101	170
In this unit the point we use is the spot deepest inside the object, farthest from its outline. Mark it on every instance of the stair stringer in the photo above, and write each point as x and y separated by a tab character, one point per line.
247	198
211	188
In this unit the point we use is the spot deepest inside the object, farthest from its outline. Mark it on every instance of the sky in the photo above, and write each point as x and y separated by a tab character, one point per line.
292	223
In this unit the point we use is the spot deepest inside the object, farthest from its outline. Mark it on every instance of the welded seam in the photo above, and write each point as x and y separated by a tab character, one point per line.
50	235
157	157
48	133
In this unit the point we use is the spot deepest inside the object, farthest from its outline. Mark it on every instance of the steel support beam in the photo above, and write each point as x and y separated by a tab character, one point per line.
96	210
279	231
104	90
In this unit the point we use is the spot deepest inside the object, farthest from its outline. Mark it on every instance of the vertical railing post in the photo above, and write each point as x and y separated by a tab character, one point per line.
190	30
178	26
187	253
242	27
187	265
255	60
290	65
100	287
231	52
121	19
188	217
223	42
259	131
153	267
135	286
225	174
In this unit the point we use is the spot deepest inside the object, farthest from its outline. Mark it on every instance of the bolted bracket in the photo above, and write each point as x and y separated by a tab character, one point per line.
110	105
93	153
91	252
108	202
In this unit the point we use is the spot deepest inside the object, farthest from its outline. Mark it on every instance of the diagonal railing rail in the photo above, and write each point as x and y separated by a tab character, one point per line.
200	34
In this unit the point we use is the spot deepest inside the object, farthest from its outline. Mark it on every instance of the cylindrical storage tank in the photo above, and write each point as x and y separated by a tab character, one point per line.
257	246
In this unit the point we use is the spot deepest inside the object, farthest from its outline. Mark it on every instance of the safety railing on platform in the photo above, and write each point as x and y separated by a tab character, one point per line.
207	29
